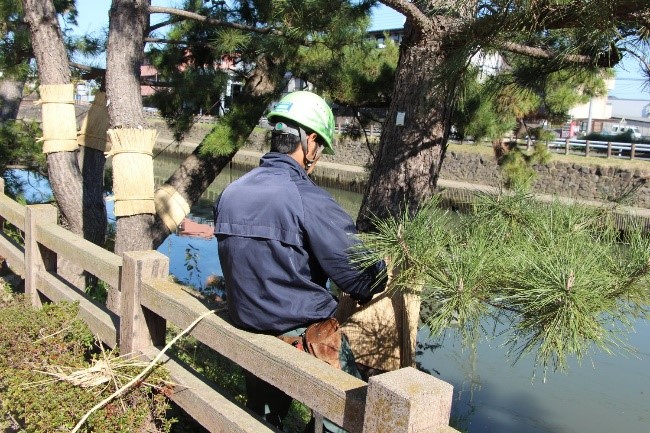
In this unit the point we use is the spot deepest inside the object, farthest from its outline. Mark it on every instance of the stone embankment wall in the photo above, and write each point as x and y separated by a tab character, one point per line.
588	180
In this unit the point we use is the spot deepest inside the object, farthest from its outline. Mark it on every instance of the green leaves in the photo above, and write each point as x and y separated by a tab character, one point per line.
562	277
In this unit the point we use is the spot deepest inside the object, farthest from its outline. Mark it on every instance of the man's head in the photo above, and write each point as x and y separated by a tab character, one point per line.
299	115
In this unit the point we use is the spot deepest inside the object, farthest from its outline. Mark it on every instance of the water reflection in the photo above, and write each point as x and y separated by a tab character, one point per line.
604	394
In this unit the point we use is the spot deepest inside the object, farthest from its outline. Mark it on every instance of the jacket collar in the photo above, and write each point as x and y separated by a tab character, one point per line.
280	160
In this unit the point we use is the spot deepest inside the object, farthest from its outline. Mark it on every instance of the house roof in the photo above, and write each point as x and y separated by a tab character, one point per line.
385	18
632	118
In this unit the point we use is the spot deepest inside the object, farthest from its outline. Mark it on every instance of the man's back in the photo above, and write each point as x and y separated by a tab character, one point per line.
265	225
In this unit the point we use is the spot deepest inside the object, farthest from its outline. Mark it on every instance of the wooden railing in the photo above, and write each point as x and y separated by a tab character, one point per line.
401	401
606	149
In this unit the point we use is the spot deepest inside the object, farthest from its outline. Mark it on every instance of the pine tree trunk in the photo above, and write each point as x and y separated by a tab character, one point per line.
80	200
129	20
410	154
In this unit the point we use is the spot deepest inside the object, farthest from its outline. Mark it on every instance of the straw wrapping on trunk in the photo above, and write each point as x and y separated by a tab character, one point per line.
59	121
171	206
93	132
383	332
133	182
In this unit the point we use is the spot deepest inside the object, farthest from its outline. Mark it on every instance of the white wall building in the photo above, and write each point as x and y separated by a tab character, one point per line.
629	107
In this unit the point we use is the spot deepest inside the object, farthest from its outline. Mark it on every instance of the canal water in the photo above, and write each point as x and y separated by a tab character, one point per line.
491	395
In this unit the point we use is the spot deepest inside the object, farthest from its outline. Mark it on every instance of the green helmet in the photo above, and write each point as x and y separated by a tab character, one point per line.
309	111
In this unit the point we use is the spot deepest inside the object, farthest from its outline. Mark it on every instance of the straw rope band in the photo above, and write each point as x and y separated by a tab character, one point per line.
171	206
59	120
61	138
117	152
53	146
133	197
41	101
96	137
93	132
93	142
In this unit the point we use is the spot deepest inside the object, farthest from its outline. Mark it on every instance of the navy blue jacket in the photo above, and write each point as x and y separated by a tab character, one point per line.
280	238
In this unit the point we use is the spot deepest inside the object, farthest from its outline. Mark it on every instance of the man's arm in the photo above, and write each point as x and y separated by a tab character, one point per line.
332	238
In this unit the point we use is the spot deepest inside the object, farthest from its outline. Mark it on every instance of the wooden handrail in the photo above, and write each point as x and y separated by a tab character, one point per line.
12	212
333	393
90	257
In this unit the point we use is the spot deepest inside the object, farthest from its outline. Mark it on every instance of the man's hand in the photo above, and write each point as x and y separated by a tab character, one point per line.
382	286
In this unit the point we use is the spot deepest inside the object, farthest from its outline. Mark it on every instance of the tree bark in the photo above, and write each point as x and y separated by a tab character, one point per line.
129	20
410	155
11	94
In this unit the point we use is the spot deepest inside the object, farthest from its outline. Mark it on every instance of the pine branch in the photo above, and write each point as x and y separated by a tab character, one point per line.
91	72
170	41
213	21
162	24
541	53
412	13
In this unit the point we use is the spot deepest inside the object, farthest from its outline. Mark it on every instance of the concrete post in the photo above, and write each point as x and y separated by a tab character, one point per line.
405	401
37	258
139	327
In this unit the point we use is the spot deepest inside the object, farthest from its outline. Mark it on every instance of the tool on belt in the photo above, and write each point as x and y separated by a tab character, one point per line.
320	339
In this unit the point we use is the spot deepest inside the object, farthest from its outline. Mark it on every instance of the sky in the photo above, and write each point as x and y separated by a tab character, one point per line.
93	18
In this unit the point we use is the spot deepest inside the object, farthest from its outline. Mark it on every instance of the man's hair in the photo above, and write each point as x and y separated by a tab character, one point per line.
287	142
284	143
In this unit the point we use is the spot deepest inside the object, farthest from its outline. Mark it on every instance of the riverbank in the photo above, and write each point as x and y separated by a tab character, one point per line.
467	170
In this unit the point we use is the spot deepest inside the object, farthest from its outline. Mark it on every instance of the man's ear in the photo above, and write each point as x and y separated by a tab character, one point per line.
313	137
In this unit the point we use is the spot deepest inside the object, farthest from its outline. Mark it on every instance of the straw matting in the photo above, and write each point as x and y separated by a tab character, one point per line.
95	124
383	332
133	182
59	121
171	207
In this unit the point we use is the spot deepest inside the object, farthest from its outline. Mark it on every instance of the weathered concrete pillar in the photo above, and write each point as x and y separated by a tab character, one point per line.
406	401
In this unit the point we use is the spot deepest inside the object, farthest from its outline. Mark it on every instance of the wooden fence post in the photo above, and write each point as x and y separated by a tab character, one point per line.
139	327
566	146
609	149
37	257
632	150
586	147
405	401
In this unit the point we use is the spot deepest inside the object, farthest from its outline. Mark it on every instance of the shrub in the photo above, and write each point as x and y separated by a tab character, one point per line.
53	340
